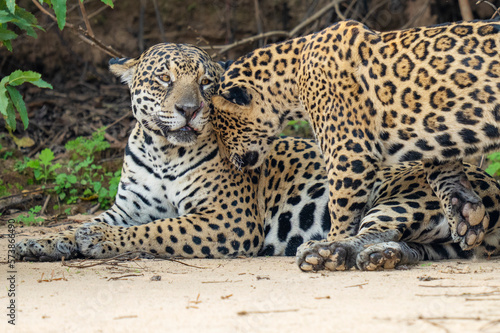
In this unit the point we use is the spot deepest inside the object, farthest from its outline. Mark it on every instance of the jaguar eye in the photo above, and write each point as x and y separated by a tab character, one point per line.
164	78
205	82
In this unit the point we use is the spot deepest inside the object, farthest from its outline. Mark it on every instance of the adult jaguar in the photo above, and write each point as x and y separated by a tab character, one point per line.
179	197
373	98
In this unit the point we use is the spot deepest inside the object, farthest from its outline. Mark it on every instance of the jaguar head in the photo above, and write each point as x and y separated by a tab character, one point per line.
171	86
245	124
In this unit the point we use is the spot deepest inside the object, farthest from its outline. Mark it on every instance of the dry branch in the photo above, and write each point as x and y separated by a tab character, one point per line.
84	35
497	10
465	10
86	19
280	33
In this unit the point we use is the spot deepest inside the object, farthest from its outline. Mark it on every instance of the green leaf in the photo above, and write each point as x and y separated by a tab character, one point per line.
26	21
19	77
22	24
60	10
107	2
4	99
55	167
11	5
6	34
493	168
5	16
25	15
494	157
7	44
11	116
72	179
36	209
34	164
41	84
18	102
38	174
46	156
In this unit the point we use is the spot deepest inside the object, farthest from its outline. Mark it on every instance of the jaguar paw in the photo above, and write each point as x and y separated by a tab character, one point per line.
321	255
379	257
50	248
469	221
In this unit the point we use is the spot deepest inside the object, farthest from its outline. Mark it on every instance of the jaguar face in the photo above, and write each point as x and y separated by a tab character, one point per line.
244	126
171	87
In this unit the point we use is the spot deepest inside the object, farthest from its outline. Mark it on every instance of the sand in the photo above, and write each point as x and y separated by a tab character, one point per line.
265	294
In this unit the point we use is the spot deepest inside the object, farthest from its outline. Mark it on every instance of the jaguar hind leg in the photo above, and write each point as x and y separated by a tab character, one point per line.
463	208
390	255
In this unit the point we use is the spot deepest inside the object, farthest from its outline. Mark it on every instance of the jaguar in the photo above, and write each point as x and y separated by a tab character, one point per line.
180	197
373	99
177	196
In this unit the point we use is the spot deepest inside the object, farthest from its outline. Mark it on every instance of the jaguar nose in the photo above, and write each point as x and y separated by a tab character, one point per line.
187	111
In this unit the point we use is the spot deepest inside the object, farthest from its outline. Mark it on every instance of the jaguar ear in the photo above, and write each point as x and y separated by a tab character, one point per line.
124	68
222	103
225	64
238	95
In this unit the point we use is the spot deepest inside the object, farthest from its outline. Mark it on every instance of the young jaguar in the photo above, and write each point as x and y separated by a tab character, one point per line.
373	99
179	197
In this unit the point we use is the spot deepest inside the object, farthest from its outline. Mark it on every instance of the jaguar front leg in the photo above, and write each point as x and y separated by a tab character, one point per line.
188	236
464	209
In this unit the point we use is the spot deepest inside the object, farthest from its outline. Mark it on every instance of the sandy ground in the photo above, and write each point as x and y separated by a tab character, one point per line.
247	295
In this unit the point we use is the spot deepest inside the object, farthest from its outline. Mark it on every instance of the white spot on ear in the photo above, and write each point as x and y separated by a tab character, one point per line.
125	70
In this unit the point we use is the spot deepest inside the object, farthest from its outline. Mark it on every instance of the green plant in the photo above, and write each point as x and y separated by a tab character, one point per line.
11	99
79	177
4	189
493	168
20	166
7	154
30	217
85	147
64	187
43	168
298	128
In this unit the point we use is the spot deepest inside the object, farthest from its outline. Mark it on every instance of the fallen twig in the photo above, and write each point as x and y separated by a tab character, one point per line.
450	318
63	278
357	285
436	325
124	257
125	317
124	276
244	313
226	281
490	293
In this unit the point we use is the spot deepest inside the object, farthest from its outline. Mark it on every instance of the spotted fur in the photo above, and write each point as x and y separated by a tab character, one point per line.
373	98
